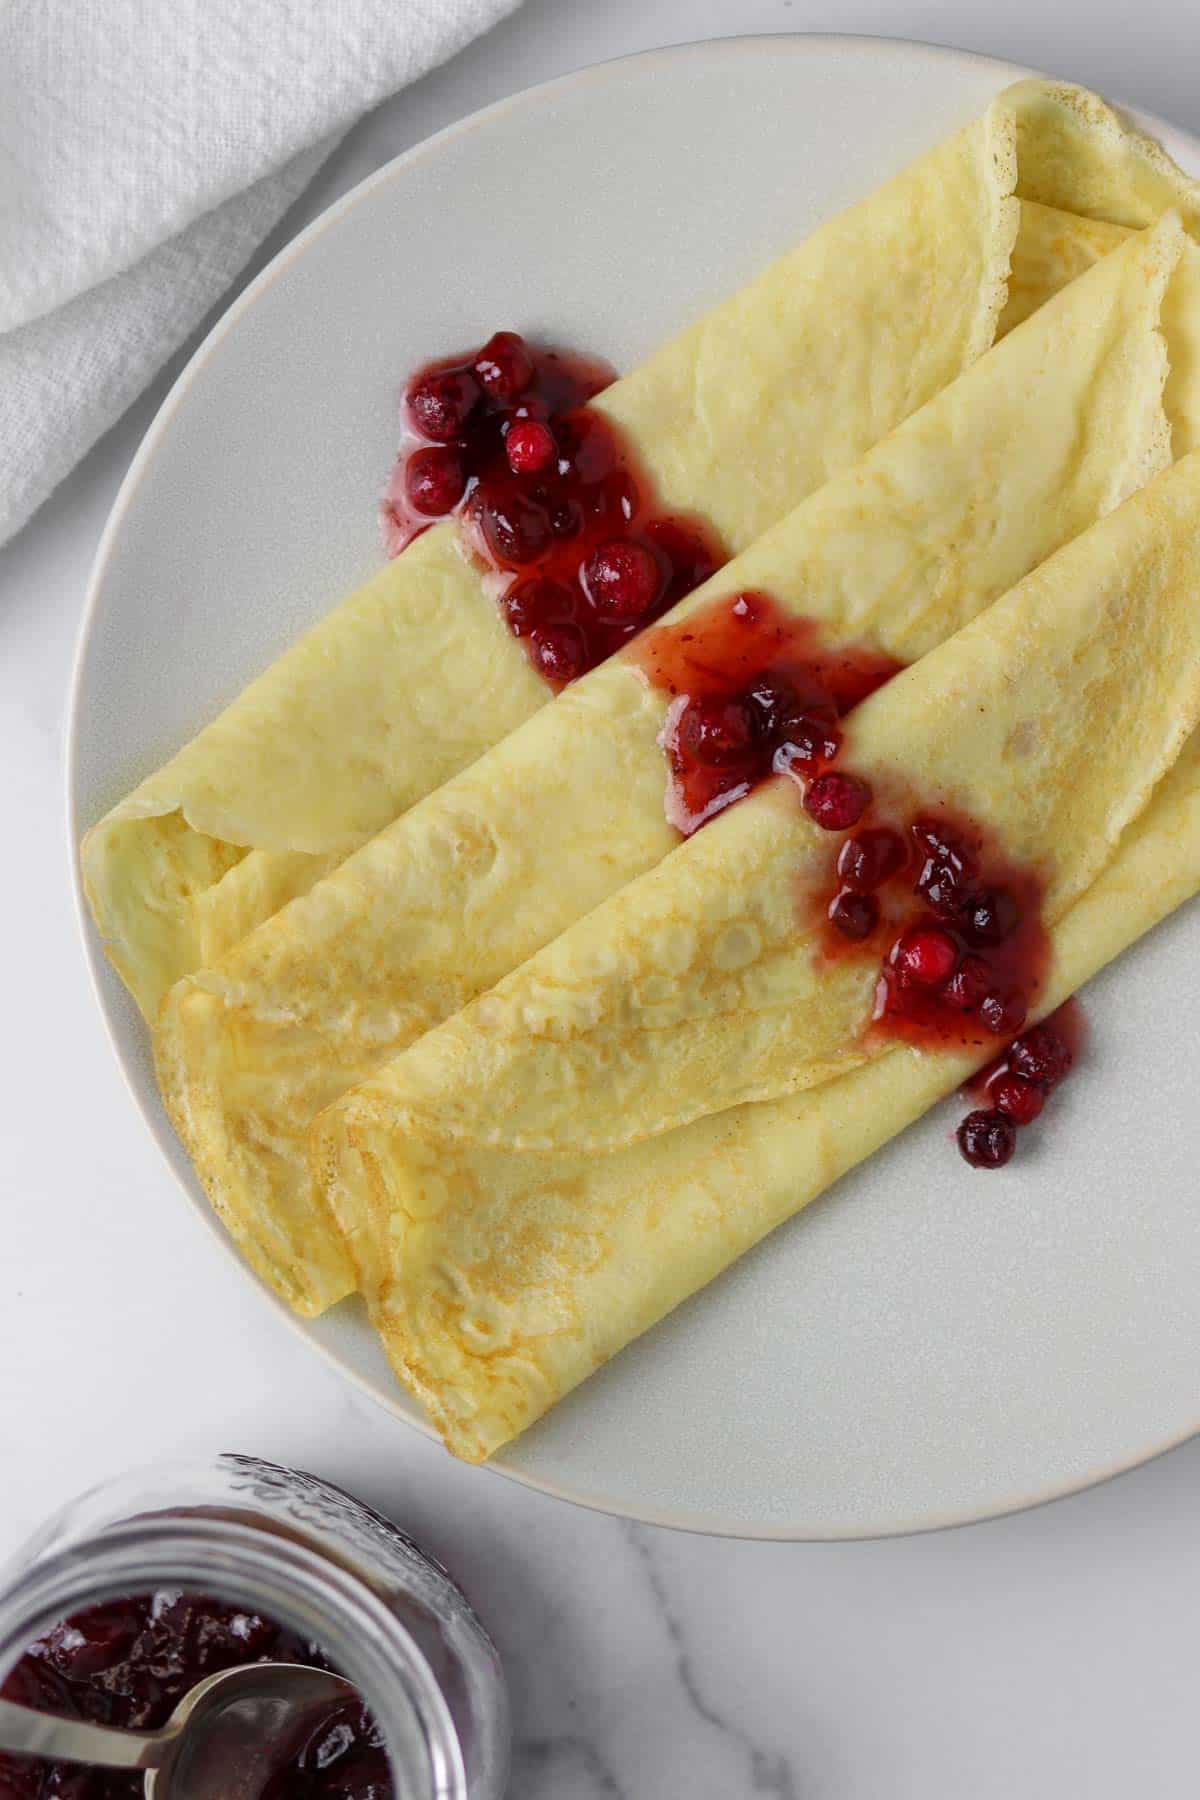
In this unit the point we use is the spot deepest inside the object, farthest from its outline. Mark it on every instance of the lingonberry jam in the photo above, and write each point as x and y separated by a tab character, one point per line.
1015	1087
957	925
963	952
753	692
963	956
986	1139
550	499
127	1663
971	953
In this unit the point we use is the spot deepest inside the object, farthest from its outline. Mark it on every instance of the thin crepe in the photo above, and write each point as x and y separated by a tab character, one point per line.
1049	431
702	985
497	1292
414	675
500	1275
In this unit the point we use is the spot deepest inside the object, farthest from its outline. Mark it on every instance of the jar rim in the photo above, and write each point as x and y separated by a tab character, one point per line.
242	1563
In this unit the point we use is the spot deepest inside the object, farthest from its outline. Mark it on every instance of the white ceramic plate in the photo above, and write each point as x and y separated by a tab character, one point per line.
926	1345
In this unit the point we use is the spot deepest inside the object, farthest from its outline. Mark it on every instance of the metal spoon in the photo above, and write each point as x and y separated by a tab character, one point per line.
213	1747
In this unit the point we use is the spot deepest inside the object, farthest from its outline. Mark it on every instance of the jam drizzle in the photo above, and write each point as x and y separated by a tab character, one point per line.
963	956
954	923
129	1662
1015	1087
553	507
753	692
971	952
551	502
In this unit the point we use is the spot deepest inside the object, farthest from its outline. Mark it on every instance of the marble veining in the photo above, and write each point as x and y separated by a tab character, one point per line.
546	1767
770	1772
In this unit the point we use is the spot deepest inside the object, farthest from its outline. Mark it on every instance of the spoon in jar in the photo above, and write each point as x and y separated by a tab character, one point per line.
213	1747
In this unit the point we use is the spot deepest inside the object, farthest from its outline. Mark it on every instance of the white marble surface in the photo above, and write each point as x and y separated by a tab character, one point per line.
1048	1655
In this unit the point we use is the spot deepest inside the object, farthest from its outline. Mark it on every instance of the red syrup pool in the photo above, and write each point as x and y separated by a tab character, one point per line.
753	692
550	499
128	1662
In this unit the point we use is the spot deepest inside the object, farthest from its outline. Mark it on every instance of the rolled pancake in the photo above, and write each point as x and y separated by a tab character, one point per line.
1053	428
415	675
500	1274
501	1283
703	985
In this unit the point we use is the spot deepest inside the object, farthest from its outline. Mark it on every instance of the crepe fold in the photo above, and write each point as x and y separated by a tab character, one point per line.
1045	434
1053	248
414	675
540	1179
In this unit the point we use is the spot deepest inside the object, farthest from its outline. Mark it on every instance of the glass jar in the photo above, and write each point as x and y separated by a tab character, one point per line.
300	1551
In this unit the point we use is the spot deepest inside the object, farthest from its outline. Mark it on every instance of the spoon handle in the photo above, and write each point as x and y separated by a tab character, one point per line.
32	1733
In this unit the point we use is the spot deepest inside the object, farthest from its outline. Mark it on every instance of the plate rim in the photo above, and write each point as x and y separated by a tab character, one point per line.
98	969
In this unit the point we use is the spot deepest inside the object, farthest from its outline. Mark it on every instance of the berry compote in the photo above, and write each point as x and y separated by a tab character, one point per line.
953	923
1015	1087
128	1663
551	500
753	692
971	952
962	947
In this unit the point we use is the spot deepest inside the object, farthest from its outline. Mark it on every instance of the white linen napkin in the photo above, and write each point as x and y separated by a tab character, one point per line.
146	148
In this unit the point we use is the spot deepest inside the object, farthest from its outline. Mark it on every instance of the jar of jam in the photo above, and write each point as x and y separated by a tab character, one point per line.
145	1585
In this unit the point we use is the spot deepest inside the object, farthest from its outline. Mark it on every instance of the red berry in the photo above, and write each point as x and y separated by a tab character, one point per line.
440	402
835	802
504	366
969	985
95	1640
866	860
1021	1101
991	917
514	529
925	956
1002	1014
558	652
714	731
938	886
854	915
434	480
565	518
530	447
622	578
1040	1055
987	1139
944	845
534	603
773	702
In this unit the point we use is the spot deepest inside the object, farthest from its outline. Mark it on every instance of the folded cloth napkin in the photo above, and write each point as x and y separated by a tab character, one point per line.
145	152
